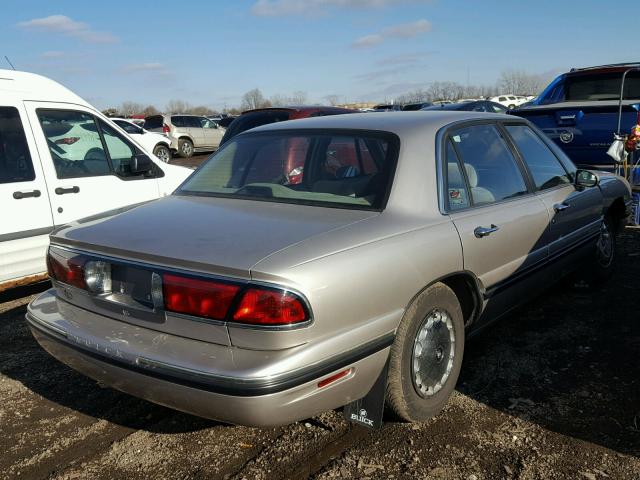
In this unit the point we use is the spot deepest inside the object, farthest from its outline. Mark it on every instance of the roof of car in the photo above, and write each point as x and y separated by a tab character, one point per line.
395	122
300	108
30	86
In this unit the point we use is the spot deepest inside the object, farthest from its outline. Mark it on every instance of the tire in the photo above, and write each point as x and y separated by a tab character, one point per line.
604	256
185	148
413	394
162	152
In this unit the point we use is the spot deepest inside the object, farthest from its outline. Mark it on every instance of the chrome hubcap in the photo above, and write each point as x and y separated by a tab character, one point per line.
186	148
433	353
163	154
605	246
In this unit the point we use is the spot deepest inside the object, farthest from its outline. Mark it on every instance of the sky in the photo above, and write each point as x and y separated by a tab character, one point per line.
212	52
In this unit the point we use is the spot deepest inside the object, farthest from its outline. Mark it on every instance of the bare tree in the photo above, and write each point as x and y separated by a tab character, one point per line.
129	108
333	99
150	110
520	82
177	106
254	99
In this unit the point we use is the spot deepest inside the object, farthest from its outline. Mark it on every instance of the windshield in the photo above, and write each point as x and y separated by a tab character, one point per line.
341	169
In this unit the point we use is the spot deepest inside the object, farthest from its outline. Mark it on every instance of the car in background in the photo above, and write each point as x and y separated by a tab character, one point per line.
470	106
62	160
509	101
387	108
224	122
156	143
580	110
247	298
262	116
187	134
409	107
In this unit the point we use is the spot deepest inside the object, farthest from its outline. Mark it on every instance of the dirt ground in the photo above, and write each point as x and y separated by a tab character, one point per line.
551	392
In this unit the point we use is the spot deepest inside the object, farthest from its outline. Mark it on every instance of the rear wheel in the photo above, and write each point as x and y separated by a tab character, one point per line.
185	148
162	152
601	263
426	355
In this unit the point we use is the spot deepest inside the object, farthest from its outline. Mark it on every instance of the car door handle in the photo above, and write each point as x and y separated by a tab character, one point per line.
480	232
20	195
559	207
63	190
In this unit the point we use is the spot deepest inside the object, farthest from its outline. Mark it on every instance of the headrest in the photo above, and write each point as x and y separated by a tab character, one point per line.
453	173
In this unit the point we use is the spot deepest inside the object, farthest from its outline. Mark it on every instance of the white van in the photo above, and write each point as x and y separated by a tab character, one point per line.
61	160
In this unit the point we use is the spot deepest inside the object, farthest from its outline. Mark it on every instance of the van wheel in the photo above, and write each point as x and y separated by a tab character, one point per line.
426	356
162	152
185	148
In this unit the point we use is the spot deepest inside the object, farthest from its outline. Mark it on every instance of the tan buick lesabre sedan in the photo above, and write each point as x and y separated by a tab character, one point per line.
326	262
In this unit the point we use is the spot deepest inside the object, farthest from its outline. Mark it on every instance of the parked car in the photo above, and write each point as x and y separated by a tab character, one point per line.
153	142
263	116
470	106
416	106
263	302
387	108
579	111
224	122
509	101
188	133
60	160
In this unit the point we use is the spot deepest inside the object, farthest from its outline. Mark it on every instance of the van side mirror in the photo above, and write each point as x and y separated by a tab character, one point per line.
586	178
140	163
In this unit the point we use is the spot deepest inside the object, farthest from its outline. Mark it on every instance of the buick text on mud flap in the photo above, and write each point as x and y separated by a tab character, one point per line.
361	417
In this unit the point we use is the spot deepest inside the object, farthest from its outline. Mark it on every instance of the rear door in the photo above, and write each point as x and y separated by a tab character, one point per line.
86	162
196	131
501	224
24	203
575	214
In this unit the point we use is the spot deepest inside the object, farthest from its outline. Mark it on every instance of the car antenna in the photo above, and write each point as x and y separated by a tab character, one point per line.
9	62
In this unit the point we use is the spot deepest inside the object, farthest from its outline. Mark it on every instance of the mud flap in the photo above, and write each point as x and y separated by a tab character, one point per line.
368	411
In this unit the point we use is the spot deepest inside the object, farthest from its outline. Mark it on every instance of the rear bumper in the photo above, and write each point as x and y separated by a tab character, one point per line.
161	373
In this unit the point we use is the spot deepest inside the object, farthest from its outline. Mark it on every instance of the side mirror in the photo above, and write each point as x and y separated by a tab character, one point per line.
140	163
586	178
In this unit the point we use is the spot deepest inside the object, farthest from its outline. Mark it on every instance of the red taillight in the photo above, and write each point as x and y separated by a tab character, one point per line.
165	128
67	270
270	307
202	298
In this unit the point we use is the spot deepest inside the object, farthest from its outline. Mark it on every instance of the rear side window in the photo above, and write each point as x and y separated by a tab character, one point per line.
457	191
15	159
491	171
128	127
545	168
74	143
177	121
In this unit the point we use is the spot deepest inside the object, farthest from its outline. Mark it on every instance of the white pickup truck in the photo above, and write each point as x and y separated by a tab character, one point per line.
62	160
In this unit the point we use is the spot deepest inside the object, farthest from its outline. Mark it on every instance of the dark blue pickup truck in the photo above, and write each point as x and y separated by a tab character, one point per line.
579	111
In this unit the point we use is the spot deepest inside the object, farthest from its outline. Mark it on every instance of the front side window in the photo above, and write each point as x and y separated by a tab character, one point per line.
120	151
545	168
492	171
74	142
15	159
317	168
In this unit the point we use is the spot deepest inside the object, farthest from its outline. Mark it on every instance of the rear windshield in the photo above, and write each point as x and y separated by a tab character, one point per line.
597	87
344	168
155	121
252	120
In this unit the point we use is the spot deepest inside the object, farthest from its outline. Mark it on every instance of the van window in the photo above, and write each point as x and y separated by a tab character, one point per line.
74	142
120	151
15	159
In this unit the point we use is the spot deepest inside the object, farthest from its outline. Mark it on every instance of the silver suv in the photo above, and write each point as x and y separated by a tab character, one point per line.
188	133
